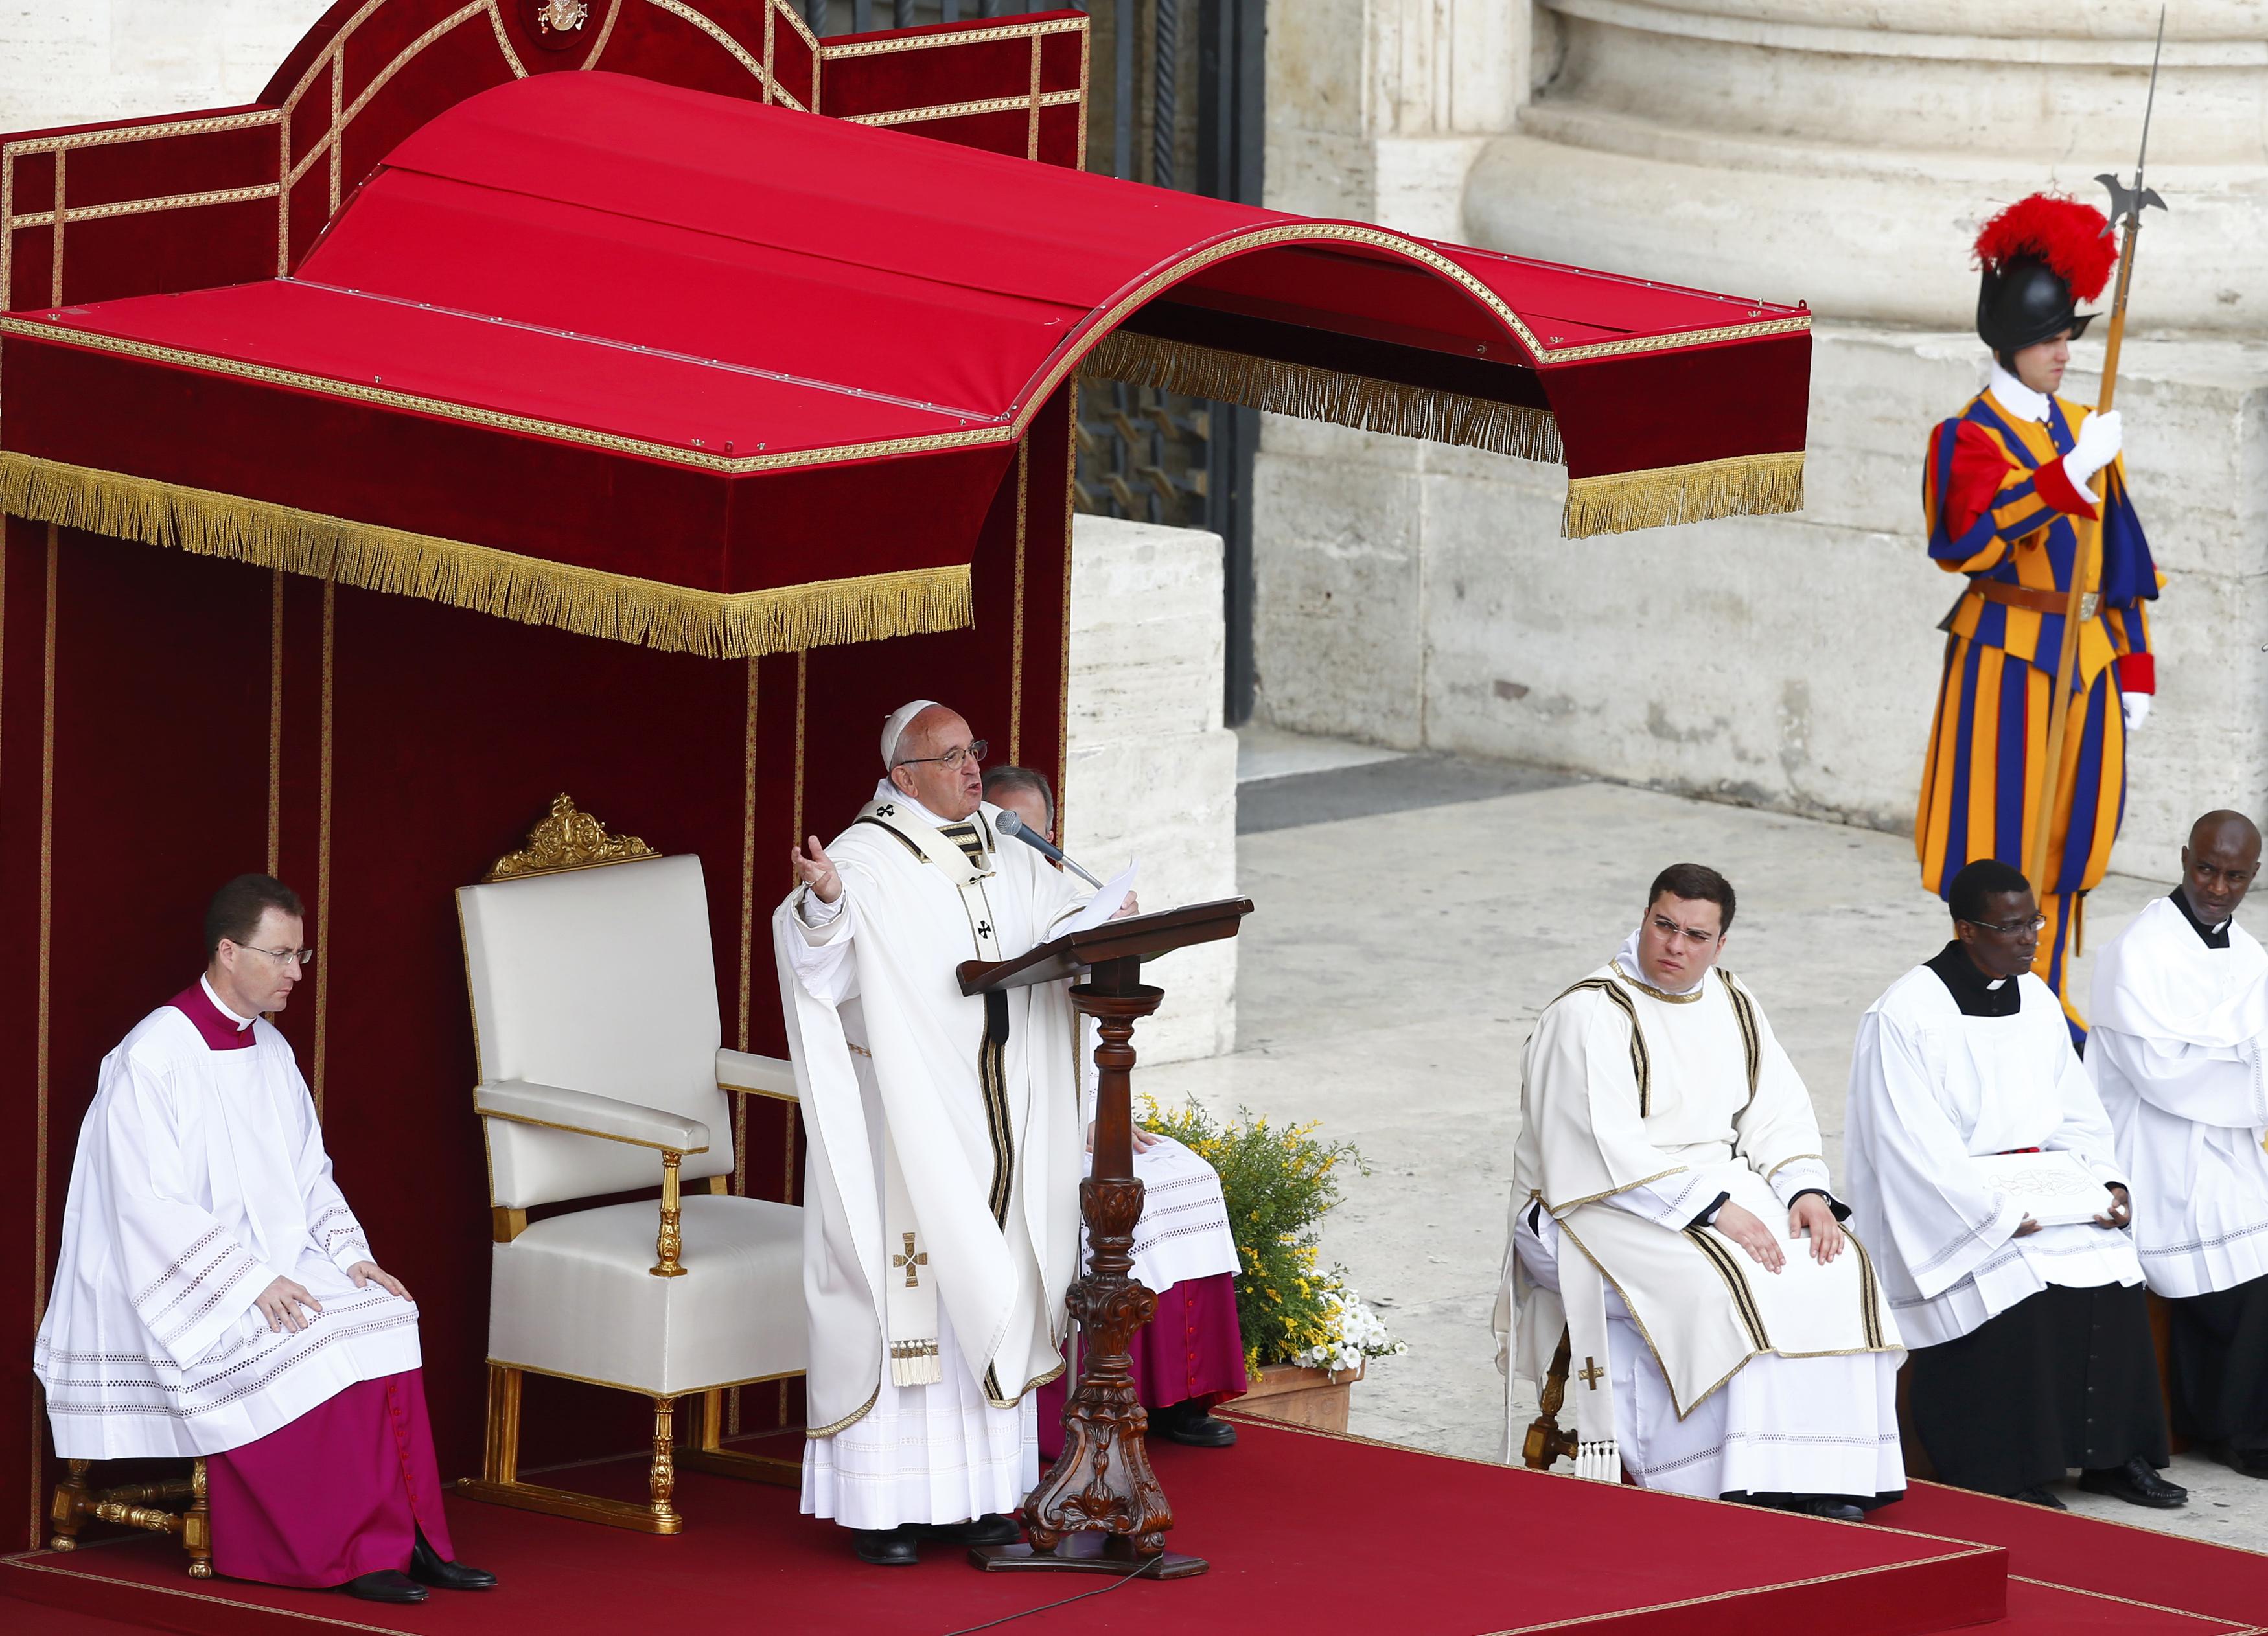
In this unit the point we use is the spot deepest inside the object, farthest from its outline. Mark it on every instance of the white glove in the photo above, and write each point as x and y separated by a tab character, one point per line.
2137	709
2100	440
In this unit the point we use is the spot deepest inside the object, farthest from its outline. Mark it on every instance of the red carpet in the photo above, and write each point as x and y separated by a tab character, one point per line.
2084	1553
1302	1529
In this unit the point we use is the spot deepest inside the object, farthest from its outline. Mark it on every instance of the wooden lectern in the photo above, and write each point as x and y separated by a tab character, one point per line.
1099	1508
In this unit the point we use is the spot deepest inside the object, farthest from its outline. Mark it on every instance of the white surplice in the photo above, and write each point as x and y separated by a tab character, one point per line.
1930	1087
1641	1111
918	1129
201	1178
2177	1052
1183	1232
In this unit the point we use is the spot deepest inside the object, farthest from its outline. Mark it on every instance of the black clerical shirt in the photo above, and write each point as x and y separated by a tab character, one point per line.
2215	937
1976	995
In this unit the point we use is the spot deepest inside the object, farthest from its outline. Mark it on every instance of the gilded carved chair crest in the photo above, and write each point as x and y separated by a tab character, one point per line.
567	839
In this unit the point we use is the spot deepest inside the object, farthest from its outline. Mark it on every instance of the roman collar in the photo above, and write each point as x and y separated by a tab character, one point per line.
1976	994
2215	937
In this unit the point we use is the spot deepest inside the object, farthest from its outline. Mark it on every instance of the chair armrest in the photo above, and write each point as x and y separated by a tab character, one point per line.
756	1076
587	1114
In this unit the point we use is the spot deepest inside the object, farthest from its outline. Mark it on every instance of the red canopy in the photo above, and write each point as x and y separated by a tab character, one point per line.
681	368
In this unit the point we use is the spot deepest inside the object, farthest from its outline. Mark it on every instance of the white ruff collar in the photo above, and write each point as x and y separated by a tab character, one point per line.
2017	398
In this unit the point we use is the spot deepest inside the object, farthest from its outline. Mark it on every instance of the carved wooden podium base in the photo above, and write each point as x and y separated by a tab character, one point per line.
1098	1509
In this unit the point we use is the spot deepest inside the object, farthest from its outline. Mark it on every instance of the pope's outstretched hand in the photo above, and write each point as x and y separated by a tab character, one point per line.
816	870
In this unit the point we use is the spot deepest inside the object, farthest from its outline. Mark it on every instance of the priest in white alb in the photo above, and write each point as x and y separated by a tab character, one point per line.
2179	1053
2031	1341
1671	1212
215	1295
941	1186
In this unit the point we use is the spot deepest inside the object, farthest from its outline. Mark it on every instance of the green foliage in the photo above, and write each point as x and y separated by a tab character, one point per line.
1277	1183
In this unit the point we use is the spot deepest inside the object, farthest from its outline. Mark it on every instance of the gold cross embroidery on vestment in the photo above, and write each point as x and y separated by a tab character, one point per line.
912	1263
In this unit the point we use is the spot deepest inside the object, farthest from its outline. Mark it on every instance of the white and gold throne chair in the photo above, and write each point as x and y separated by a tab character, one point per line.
600	1072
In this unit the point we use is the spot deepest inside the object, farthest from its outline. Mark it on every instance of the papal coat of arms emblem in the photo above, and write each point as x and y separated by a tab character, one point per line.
562	16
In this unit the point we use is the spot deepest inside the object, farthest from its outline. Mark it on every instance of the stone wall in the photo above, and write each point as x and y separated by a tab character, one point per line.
1152	772
69	62
1829	150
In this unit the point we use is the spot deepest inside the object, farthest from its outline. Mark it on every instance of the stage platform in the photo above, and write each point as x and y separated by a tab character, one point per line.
1303	1528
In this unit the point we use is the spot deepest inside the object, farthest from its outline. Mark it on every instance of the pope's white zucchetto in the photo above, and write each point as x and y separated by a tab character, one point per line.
894	728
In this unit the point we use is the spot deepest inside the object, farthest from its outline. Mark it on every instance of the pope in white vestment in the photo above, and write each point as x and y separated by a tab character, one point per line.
215	1296
2031	1343
2179	1054
1668	1150
941	1224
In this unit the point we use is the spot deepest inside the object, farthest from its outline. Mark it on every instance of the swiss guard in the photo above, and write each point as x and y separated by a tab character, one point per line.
2022	489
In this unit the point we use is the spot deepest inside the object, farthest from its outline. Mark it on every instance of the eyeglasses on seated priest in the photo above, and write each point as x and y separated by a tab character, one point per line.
204	1231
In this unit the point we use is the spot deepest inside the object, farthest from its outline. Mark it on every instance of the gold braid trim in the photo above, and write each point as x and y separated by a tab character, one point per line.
589	601
1362	402
1747	485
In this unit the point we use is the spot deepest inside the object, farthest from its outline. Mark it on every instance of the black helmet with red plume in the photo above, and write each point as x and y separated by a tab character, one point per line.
2040	257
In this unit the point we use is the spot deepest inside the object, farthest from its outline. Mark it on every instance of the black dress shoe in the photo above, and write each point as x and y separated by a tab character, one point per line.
385	1585
886	1547
1187	1422
2138	1484
2249	1461
428	1566
1826	1505
993	1529
2039	1497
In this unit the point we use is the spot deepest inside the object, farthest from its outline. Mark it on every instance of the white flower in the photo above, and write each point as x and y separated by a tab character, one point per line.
1357	1333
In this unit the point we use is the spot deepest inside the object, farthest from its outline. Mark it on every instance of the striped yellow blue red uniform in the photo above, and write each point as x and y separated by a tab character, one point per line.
2000	508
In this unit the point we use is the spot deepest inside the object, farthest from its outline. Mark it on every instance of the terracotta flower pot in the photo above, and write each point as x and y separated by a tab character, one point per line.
1300	1397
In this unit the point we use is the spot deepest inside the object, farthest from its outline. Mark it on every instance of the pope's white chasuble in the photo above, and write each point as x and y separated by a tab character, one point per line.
940	1210
2179	1054
201	1178
1935	1080
1641	1110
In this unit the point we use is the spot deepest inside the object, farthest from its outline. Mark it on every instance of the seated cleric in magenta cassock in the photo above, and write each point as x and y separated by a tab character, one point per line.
1671	1208
941	1182
2031	1342
2180	1055
1190	1354
215	1296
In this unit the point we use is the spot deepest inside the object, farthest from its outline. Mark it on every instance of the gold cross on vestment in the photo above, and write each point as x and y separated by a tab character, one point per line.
1590	1374
910	1261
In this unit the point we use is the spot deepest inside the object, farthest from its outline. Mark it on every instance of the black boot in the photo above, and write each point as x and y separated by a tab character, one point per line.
385	1585
2039	1497
427	1567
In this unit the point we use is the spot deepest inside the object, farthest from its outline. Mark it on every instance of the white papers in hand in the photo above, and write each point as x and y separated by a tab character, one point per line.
1105	904
2054	1189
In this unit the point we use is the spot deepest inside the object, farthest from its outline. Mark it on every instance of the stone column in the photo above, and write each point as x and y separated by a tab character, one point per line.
1843	152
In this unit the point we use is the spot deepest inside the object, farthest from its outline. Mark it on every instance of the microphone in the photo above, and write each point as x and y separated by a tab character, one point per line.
1007	823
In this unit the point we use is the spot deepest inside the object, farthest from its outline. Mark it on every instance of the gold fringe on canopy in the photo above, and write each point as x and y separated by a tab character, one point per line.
1746	485
1362	402
621	608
